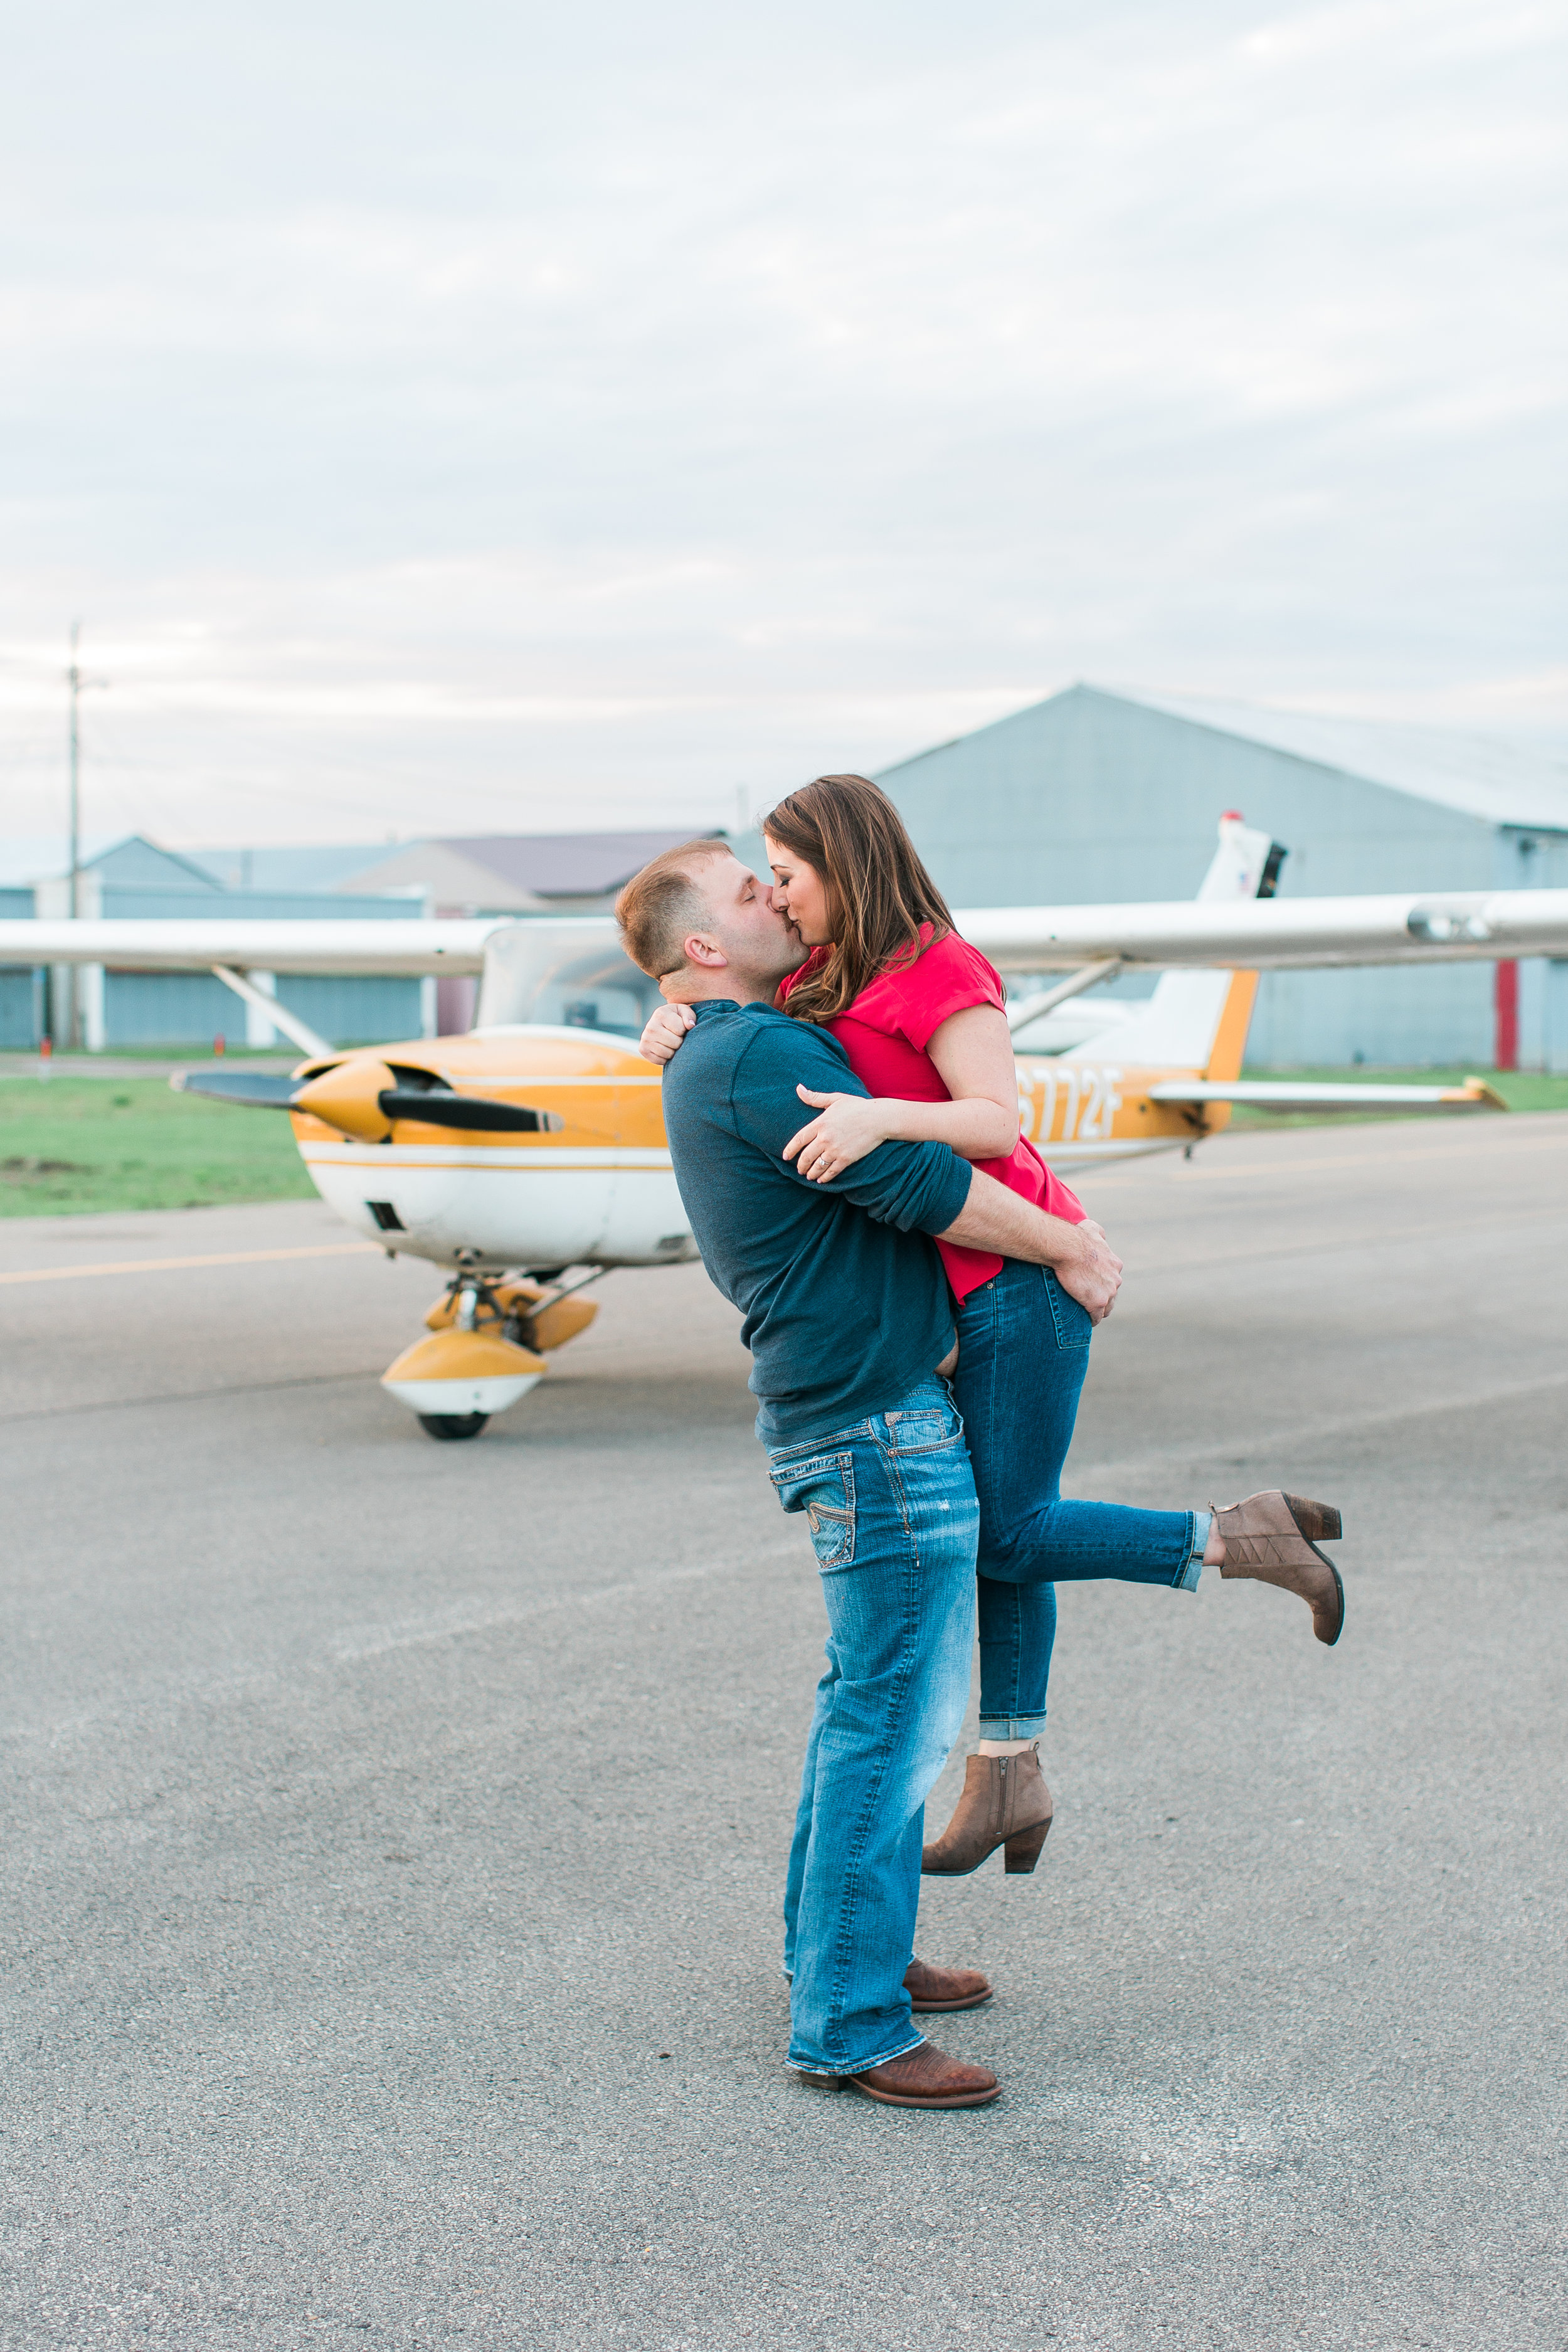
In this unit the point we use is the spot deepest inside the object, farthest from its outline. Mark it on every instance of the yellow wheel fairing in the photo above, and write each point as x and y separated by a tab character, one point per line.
462	1372
563	1320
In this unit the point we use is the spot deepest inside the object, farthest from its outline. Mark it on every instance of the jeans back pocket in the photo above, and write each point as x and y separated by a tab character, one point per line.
922	1432
822	1487
1074	1325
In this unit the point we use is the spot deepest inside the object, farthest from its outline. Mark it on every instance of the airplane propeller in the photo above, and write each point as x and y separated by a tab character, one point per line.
262	1089
413	1095
440	1107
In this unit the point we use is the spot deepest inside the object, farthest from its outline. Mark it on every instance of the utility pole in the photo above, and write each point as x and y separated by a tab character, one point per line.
68	971
73	678
77	685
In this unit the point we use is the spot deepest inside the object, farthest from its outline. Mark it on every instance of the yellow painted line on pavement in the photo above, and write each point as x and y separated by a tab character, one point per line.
178	1264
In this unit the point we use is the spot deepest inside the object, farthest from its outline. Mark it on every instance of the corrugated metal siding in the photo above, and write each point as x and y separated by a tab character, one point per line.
1531	859
191	1008
21	991
1410	1019
1552	1046
254	906
169	1008
349	1010
20	1009
188	1008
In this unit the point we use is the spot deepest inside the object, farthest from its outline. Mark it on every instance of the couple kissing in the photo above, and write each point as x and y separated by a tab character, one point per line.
918	1294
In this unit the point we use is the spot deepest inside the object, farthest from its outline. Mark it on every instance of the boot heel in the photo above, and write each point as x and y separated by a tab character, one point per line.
996	1790
1319	1522
1022	1850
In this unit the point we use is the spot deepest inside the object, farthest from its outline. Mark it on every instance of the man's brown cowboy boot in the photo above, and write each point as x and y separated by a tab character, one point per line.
930	1988
1269	1537
1006	1803
924	2078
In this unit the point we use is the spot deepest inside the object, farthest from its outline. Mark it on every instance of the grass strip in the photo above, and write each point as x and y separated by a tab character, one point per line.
74	1145
71	1145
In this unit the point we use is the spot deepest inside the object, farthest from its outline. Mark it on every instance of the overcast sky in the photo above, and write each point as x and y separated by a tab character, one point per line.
471	418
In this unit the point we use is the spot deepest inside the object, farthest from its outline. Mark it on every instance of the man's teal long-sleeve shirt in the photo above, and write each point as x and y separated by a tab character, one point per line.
846	1302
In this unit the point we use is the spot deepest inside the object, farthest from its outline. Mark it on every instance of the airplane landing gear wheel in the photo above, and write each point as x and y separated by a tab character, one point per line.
449	1425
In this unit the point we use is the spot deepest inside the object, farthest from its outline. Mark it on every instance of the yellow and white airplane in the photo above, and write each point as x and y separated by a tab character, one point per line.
528	1157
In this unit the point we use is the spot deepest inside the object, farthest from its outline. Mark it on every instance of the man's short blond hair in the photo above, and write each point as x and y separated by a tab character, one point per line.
661	906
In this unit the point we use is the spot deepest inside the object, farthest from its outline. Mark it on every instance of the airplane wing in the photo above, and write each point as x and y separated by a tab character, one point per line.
1261	934
1276	934
410	949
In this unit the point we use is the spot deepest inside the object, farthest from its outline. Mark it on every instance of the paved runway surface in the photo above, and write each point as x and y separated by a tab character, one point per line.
394	1831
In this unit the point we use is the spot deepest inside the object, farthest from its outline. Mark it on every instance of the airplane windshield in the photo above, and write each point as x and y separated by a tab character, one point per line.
563	973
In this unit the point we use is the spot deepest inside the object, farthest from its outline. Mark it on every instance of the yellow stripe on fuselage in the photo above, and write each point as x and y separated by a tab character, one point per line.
612	1113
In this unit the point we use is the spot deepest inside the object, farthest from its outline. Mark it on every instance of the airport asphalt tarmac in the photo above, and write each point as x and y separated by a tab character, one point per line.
394	1831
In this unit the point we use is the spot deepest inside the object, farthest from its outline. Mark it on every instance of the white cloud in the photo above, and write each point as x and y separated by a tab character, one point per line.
563	416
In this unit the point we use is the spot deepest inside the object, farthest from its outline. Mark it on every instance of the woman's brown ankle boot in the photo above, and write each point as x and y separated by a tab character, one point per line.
1269	1538
1006	1803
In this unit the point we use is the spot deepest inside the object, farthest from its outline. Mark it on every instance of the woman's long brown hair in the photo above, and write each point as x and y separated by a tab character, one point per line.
878	893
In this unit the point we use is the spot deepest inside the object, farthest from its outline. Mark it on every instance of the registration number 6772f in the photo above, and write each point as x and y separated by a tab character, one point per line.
1075	1104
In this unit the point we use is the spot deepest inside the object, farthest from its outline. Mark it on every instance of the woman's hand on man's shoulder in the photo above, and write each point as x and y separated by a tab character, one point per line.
661	1039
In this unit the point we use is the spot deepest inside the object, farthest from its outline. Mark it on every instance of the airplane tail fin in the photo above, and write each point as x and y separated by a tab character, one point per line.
1228	1043
1199	1020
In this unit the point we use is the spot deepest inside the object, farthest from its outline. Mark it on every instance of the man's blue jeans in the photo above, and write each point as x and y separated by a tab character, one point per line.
893	1522
1022	1352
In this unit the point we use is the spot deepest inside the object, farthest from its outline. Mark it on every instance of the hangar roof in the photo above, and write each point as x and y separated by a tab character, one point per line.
566	865
1505	781
500	872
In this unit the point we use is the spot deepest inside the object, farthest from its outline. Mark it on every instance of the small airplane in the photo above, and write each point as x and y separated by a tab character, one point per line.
528	1156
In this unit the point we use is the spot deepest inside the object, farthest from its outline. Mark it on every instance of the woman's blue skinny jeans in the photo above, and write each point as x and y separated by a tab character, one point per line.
1022	1355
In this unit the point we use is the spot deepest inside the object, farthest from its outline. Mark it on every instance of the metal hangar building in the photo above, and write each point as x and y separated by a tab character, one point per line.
1100	794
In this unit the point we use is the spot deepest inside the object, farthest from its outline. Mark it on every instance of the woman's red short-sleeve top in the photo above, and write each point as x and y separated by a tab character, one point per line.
885	1032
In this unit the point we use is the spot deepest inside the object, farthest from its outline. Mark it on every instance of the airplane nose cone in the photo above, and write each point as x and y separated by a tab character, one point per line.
347	1097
